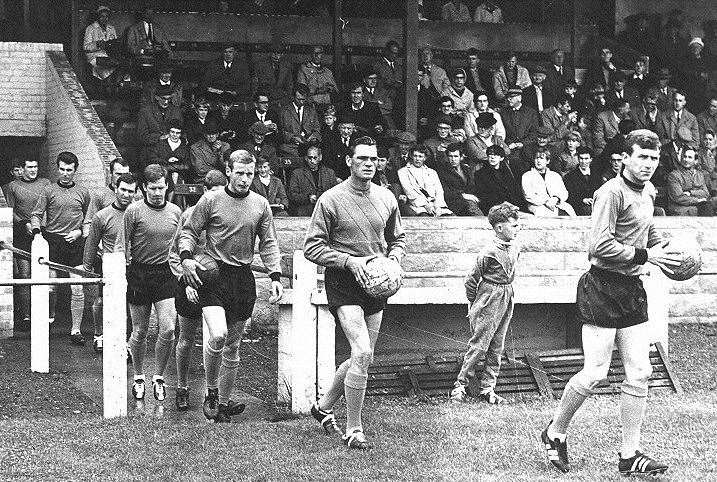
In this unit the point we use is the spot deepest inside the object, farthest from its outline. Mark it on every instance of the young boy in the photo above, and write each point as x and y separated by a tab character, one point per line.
490	293
612	306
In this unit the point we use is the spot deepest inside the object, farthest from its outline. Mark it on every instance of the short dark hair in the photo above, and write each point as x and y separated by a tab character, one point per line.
67	158
472	51
126	178
115	161
153	173
18	162
174	124
502	213
511	54
455	146
583	150
260	93
362	141
626	126
495	150
355	85
240	156
643	138
479	93
302	89
679	92
542	153
617	103
446	98
213	178
419	148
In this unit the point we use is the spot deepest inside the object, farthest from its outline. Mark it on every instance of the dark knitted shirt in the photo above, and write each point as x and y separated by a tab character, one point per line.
64	208
148	232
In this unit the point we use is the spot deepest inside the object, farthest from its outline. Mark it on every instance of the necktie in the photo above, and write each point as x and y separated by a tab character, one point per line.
150	32
679	115
227	66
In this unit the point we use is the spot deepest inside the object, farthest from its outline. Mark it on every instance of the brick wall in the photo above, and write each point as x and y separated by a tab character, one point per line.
22	88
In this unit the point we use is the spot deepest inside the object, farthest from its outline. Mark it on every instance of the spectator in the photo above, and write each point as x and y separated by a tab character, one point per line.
455	11
570	91
366	115
569	156
318	78
387	177
581	184
695	62
647	114
673	45
707	156
671	153
521	124
478	78
229	120
687	191
172	154
541	143
274	75
560	119
337	147
481	103
165	77
428	102
207	153
227	75
606	124
585	131
510	76
700	89
618	90
375	94
399	153
617	143
97	35
497	183
488	12
195	120
434	75
602	72
271	187
613	169
639	80
485	137
558	75
594	104
299	123
262	149
261	112
665	90
447	110
536	96
389	70
461	96
146	37
22	195
309	182
456	177
544	190
675	118
153	122
637	35
707	119
421	186
436	146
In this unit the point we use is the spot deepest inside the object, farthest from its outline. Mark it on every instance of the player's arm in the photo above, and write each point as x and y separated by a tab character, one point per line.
188	239
124	237
87	214
394	234
269	252
92	243
604	219
316	243
473	279
39	211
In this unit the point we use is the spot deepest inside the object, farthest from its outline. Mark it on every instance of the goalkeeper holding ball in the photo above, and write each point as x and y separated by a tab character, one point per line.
353	223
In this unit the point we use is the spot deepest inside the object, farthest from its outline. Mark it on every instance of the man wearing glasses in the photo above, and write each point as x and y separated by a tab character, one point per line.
353	223
153	122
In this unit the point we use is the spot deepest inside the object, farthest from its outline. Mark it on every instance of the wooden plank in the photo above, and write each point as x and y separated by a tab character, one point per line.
677	387
541	377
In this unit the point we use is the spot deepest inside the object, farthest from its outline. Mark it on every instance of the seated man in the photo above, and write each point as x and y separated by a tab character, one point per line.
456	177
437	144
146	38
299	124
318	78
97	36
226	75
527	155
612	170
567	158
521	124
544	189
509	76
536	96
481	103
207	153
707	155
422	187
607	124
581	184
271	187
462	96
677	118
309	182
496	183
230	121
153	123
172	154
260	148
336	145
428	101
687	192
274	75
559	118
165	77
619	91
366	115
485	137
646	114
377	94
261	112
195	120
388	178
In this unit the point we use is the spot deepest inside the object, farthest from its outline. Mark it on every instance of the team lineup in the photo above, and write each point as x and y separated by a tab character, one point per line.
194	268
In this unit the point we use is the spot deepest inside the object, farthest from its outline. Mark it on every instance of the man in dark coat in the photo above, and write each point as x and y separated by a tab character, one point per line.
308	183
260	148
497	183
456	177
366	115
581	183
521	123
558	75
153	122
227	75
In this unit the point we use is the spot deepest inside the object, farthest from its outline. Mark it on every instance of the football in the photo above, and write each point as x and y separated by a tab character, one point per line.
210	273
691	255
385	277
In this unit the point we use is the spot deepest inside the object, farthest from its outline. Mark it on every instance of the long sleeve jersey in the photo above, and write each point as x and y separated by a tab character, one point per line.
175	262
105	227
348	221
22	196
147	232
64	208
232	223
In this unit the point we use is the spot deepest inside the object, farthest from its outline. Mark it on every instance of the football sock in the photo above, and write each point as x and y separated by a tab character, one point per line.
227	376
77	307
570	402
162	350
332	396
212	360
632	411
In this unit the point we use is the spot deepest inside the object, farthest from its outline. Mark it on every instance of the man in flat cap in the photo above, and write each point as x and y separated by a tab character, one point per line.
485	136
536	96
97	35
521	124
208	153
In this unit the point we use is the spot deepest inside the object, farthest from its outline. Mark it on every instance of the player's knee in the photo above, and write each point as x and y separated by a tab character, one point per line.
361	359
139	333
636	381
587	379
183	346
231	349
217	340
166	333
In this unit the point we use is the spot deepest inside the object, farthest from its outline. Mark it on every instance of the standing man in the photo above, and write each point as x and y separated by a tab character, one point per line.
22	196
353	222
105	226
63	205
233	218
318	78
146	237
611	303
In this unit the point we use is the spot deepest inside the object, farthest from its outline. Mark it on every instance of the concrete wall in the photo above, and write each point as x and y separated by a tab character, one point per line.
551	247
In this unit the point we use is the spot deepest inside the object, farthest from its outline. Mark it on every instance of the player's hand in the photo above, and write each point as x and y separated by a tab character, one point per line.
73	235
588	201
192	294
431	209
277	291
189	272
357	266
28	227
552	203
313	198
663	256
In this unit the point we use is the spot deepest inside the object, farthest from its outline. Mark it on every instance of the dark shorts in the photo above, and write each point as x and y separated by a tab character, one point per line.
20	237
342	289
150	283
235	291
69	254
611	300
185	307
97	268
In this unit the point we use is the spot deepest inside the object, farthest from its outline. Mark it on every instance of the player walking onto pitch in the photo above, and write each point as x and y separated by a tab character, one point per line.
612	304
353	223
233	218
489	289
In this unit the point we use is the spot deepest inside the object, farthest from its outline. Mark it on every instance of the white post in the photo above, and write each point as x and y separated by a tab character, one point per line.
114	326
40	308
303	336
657	287
325	350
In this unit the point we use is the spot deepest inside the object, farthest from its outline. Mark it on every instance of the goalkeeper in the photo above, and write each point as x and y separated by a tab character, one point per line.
352	223
489	289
